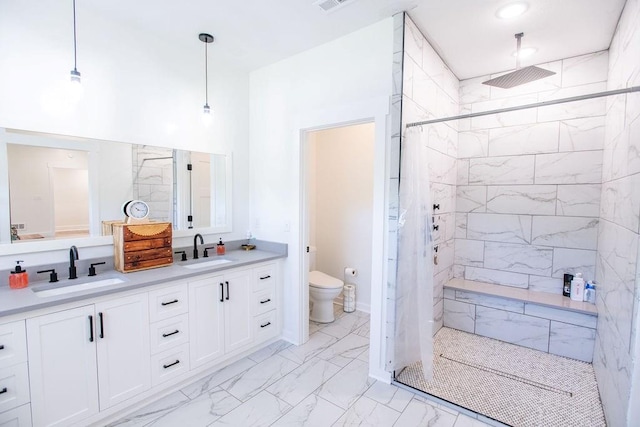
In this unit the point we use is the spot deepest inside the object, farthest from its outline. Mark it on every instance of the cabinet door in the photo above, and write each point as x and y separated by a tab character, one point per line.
206	320
122	334
62	367
237	310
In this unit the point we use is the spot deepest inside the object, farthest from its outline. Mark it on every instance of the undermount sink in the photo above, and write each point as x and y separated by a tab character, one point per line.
69	288
205	264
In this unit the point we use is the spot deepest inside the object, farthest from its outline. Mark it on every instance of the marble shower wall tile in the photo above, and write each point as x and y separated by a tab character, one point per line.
500	120
523	330
463	172
524	259
461	226
526	139
459	315
621	202
580	167
585	69
565	232
579	200
497	277
564	316
574	261
551	285
442	168
573	110
469	252
572	341
499	228
502	170
471	198
582	134
473	144
522	199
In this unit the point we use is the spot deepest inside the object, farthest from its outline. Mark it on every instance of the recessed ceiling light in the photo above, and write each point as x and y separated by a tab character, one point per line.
525	52
512	10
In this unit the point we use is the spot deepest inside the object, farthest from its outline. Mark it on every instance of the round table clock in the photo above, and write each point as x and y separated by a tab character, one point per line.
136	211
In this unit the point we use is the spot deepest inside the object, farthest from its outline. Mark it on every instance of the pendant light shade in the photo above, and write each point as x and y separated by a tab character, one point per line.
75	74
206	39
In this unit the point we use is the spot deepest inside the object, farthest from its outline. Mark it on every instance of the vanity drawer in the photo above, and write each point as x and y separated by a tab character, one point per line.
150	263
13	343
142	245
167	334
264	277
14	386
264	300
18	417
169	364
266	326
148	254
168	302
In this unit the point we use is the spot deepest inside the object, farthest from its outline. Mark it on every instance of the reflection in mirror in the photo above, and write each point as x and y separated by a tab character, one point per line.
49	190
54	187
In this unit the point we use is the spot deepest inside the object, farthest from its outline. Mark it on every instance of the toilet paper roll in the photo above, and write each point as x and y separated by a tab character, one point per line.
350	272
349	297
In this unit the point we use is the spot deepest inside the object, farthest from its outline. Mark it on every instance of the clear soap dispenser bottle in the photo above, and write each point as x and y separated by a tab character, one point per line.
18	278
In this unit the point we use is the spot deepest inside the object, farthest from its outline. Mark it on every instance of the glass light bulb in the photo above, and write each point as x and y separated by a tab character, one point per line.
75	87
207	109
207	116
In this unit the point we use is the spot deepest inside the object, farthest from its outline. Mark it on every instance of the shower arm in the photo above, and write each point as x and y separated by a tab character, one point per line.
518	44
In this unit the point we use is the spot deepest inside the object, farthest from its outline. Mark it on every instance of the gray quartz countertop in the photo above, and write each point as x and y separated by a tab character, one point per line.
15	301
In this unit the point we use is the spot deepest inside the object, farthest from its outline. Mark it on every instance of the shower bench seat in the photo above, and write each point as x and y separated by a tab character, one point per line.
542	321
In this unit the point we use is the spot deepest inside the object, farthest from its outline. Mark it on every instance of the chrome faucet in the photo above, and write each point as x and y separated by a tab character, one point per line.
195	244
73	255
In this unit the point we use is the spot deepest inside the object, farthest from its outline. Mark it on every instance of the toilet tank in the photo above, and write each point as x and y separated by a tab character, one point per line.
312	258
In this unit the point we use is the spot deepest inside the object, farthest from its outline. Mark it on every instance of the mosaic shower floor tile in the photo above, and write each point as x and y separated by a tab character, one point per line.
515	385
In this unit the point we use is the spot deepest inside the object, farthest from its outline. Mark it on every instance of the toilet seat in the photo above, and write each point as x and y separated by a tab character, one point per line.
318	279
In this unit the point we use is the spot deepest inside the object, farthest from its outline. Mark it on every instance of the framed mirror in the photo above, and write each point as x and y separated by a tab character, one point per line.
56	187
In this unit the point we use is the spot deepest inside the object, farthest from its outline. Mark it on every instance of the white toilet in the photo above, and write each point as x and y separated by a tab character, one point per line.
323	289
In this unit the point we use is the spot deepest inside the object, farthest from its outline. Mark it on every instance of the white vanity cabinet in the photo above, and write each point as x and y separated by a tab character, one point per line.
68	348
219	315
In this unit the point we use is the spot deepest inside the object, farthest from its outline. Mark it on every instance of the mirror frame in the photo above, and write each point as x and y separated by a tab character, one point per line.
92	147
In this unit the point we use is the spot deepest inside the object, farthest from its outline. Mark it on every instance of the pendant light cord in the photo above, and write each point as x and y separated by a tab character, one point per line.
206	75
75	55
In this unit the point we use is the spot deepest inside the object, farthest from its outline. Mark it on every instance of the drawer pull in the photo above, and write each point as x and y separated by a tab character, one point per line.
4	390
170	302
170	333
1	346
171	364
265	301
265	277
265	325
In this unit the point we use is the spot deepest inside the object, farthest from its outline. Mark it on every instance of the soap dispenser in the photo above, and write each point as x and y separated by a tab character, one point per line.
220	248
18	278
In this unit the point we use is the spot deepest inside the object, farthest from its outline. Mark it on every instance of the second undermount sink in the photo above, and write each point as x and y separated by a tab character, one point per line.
206	264
70	288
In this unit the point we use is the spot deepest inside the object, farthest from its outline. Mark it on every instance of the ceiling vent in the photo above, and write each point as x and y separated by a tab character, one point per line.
331	5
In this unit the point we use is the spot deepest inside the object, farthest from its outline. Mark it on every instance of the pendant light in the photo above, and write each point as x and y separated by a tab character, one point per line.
206	39
75	74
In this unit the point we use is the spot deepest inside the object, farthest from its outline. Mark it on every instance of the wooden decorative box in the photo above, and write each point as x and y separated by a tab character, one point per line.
142	246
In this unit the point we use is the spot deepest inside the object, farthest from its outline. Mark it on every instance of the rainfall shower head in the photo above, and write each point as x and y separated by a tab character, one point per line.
521	75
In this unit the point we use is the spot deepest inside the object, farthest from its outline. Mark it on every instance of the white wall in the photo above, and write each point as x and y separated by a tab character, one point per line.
343	81
343	205
136	88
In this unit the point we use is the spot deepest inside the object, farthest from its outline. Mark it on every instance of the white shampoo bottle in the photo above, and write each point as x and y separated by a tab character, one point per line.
577	288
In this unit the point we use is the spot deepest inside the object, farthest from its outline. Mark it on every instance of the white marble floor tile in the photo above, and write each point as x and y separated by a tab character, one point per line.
265	353
420	413
249	383
345	350
214	380
346	324
368	412
315	327
390	395
464	421
317	343
313	411
344	388
153	411
260	411
303	381
201	411
363	330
